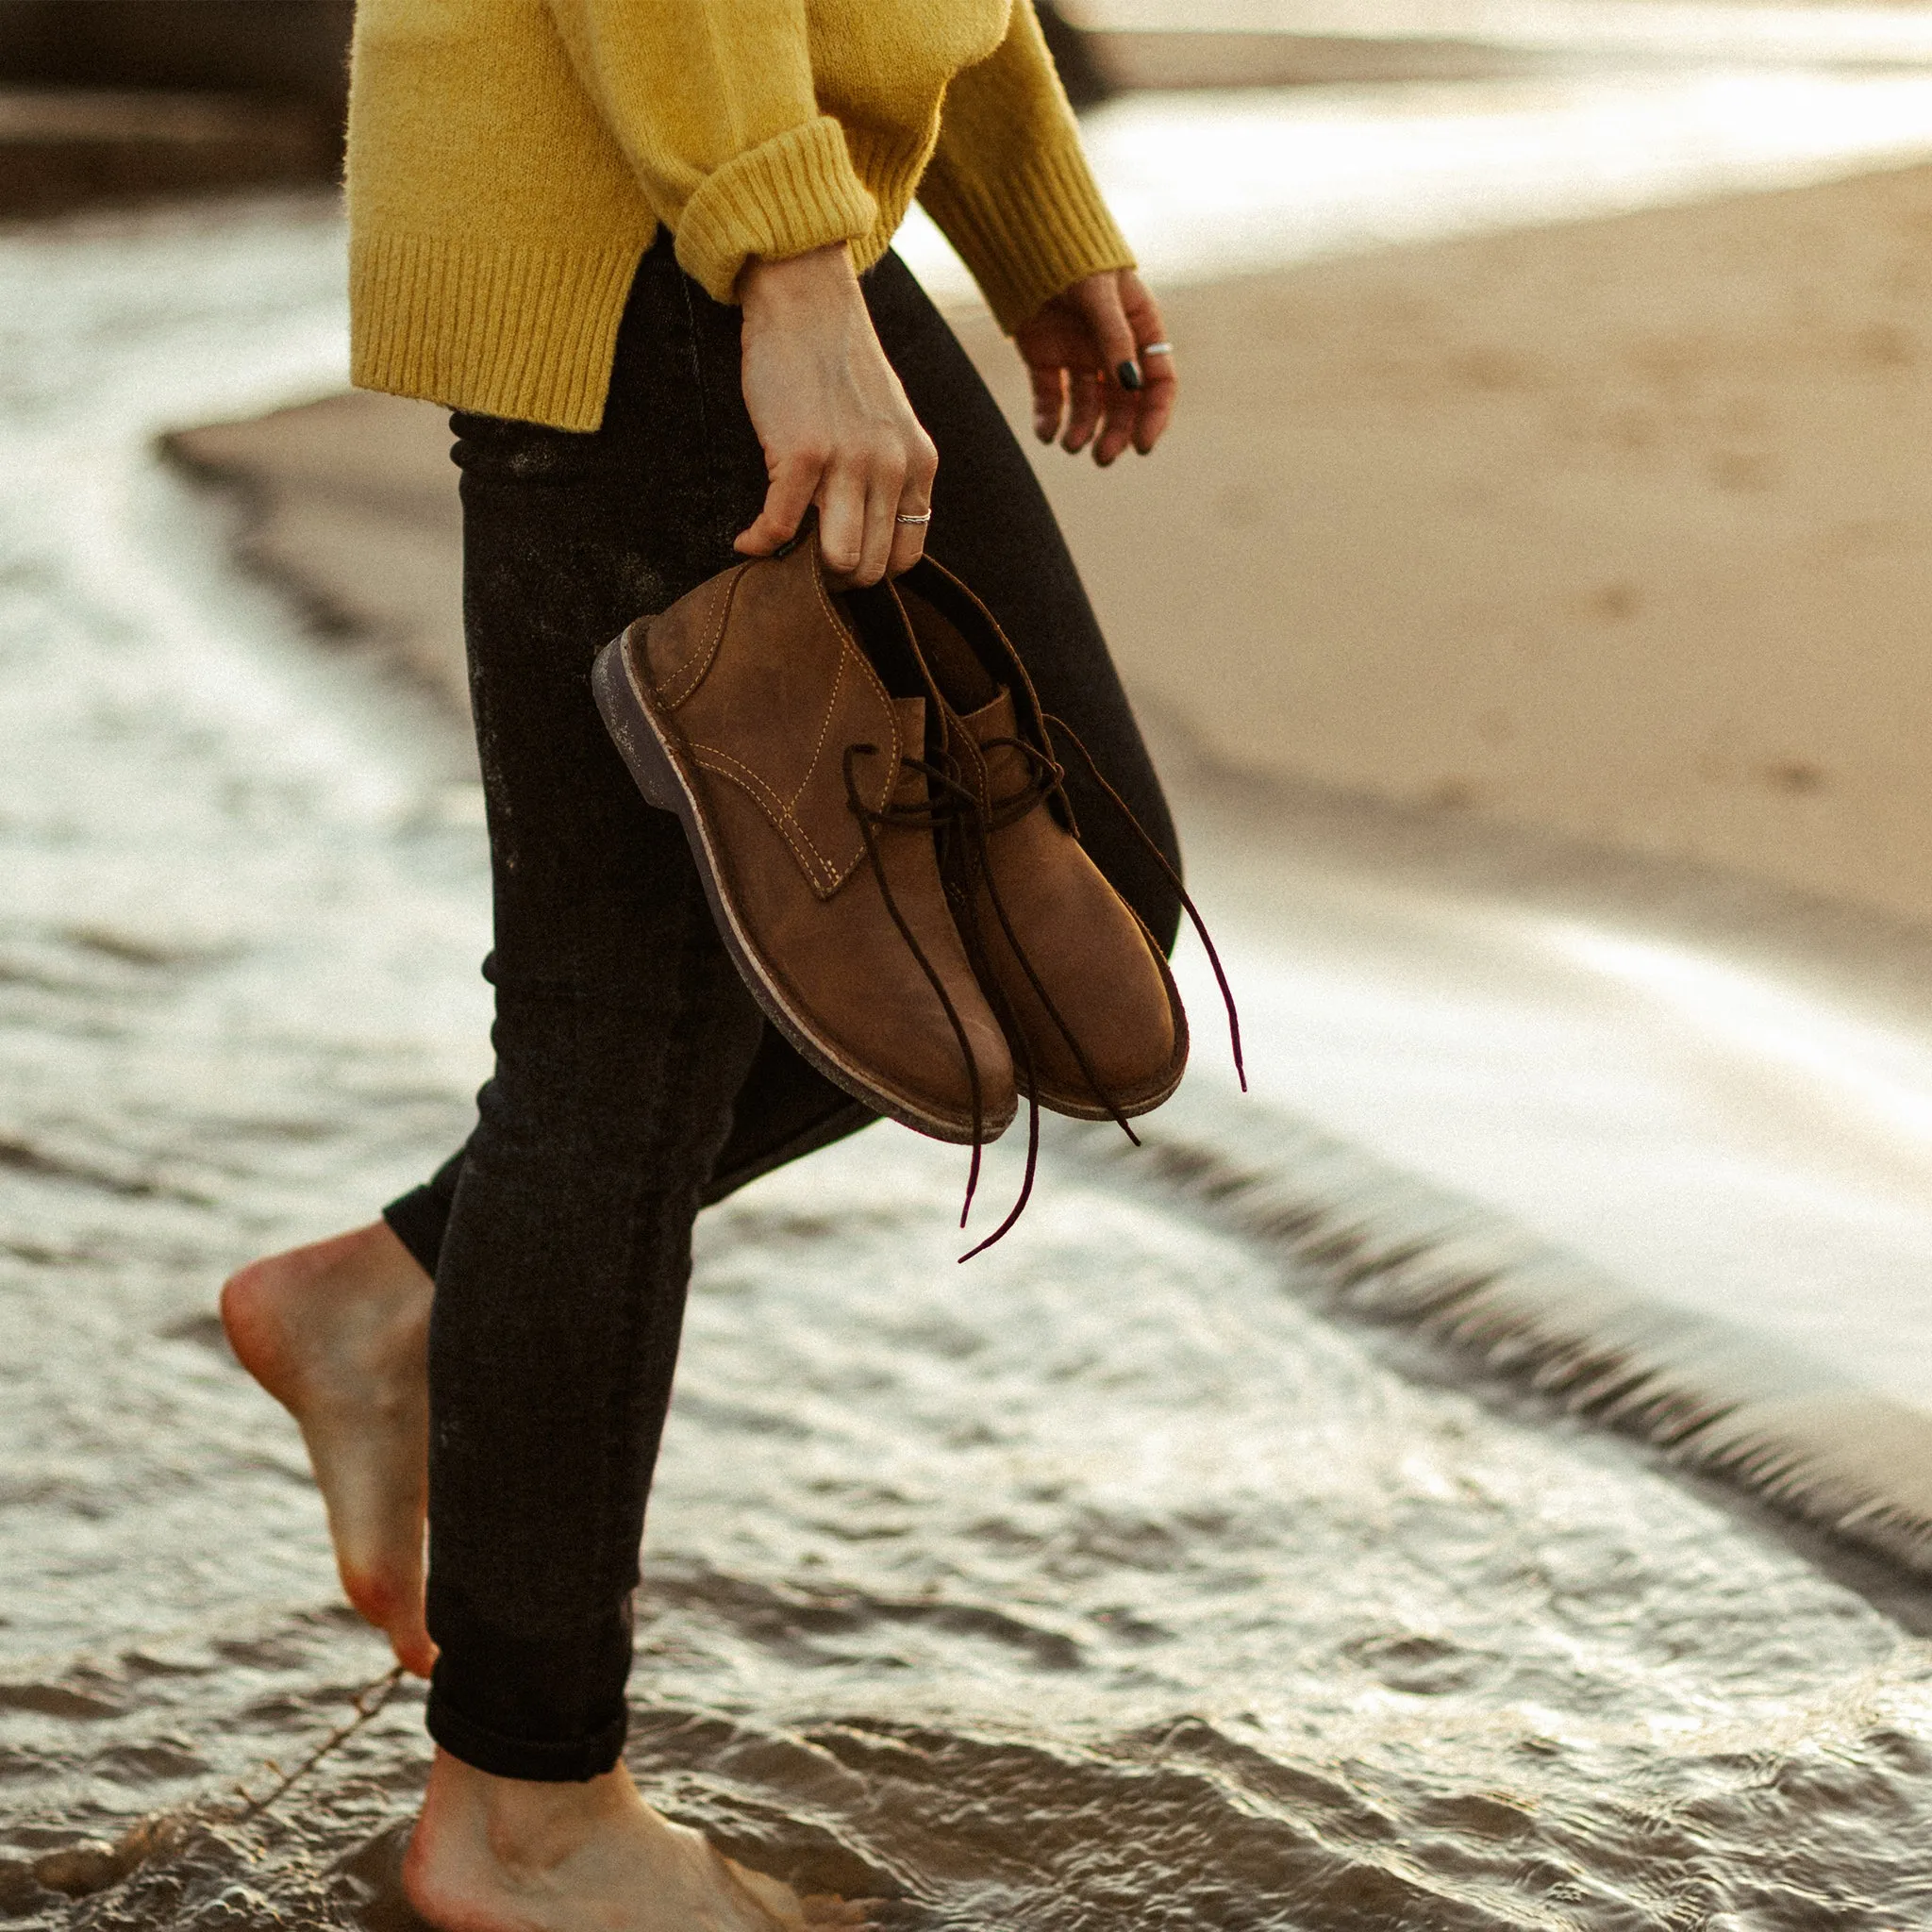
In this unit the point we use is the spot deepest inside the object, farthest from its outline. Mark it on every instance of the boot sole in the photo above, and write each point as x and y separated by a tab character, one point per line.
651	754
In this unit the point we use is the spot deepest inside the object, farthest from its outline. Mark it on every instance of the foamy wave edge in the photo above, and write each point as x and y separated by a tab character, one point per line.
1373	1242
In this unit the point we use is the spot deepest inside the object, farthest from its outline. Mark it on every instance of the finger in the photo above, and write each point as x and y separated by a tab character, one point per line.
1159	387
1113	335
1157	400
842	519
1049	399
794	484
1120	416
915	500
881	506
1120	356
1083	410
908	539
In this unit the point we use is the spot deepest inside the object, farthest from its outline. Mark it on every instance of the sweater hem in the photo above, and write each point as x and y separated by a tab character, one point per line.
520	331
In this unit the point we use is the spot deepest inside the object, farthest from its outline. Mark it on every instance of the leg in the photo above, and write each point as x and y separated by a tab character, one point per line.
623	1036
993	527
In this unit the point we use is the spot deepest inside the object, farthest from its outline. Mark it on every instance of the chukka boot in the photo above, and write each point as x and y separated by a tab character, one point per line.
750	709
1095	1018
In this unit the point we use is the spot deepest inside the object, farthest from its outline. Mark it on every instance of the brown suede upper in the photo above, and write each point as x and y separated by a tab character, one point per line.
773	715
756	685
1105	977
1085	947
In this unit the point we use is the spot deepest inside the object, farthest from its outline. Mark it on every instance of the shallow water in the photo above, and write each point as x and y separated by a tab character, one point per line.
1234	181
1099	1585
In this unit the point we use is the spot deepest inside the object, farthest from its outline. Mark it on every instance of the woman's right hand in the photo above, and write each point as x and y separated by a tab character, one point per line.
834	421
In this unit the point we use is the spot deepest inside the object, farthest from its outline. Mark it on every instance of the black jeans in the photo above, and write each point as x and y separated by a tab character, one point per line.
635	1079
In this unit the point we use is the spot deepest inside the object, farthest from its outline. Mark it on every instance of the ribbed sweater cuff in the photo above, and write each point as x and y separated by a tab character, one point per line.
787	196
1036	230
525	332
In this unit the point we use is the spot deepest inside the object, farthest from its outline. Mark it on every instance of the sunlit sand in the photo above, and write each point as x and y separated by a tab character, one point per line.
1709	31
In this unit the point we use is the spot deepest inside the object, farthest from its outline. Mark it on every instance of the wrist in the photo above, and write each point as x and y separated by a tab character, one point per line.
814	283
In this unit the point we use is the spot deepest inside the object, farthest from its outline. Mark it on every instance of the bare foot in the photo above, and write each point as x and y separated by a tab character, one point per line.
338	1333
497	1854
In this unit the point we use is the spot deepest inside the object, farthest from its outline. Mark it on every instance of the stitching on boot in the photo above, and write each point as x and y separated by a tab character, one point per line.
825	875
821	873
825	728
848	642
724	594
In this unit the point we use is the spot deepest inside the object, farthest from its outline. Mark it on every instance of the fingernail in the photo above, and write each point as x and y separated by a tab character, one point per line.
1129	376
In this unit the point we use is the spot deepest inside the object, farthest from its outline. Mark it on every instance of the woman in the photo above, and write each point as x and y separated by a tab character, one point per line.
643	250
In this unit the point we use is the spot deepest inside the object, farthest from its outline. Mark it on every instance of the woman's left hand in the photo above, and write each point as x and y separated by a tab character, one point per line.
1086	352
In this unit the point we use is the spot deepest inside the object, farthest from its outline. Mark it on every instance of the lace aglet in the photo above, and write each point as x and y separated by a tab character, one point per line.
971	1186
1018	1207
999	1234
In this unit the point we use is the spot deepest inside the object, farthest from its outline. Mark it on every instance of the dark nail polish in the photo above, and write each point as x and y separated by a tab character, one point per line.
1129	376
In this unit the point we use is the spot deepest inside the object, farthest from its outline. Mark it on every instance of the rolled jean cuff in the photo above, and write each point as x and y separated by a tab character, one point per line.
417	1218
538	1762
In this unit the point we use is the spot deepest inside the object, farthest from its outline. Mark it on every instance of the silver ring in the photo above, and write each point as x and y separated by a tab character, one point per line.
925	518
1156	348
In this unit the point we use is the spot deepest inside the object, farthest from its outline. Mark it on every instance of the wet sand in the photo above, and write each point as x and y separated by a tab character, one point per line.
1616	529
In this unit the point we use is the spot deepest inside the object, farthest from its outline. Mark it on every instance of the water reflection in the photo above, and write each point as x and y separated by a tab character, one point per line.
1241	181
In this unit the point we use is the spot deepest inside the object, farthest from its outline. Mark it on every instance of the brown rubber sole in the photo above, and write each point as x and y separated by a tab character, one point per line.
652	752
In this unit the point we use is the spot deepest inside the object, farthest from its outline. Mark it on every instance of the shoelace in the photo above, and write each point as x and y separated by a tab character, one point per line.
1046	779
993	816
953	807
1174	878
932	815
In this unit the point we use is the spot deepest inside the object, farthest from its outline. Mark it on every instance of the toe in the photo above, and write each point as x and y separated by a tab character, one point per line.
394	1605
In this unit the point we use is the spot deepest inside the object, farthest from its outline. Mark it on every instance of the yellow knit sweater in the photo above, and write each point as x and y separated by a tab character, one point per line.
510	160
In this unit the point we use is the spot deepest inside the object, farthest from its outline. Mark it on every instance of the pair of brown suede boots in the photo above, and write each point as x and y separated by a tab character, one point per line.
871	793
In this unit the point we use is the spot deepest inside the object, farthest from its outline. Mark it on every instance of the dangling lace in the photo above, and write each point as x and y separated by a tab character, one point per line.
1044	781
930	815
1160	859
1044	778
949	806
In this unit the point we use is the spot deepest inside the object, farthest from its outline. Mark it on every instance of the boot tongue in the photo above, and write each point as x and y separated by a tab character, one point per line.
1006	766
